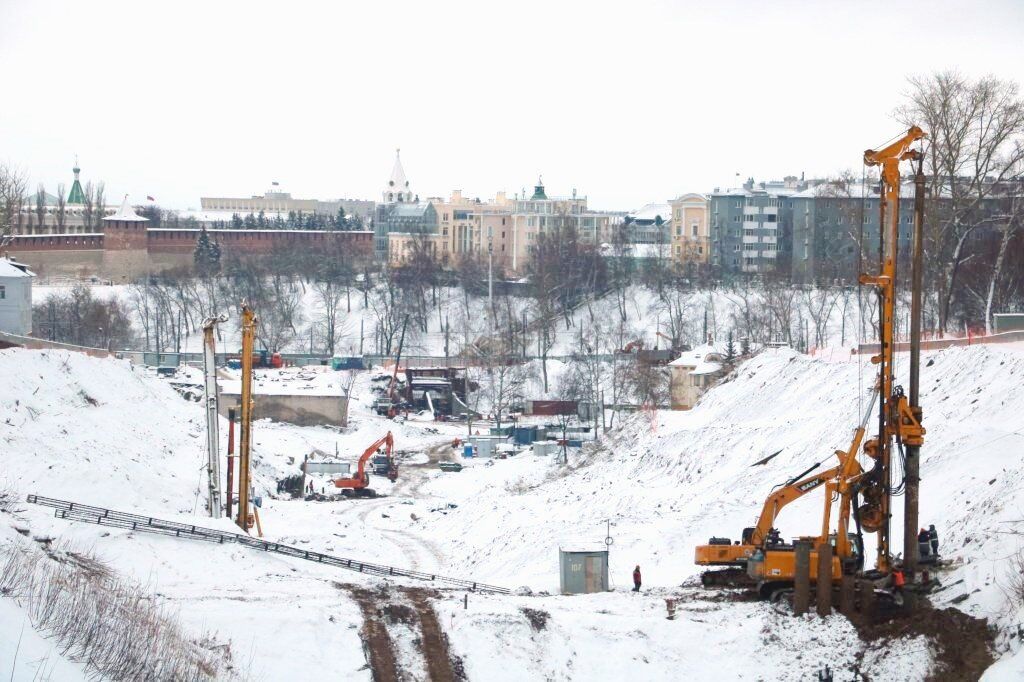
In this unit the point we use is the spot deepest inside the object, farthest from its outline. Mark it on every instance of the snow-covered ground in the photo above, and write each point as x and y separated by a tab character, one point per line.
103	433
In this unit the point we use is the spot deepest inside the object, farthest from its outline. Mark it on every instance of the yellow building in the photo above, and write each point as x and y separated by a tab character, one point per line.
690	237
466	227
693	373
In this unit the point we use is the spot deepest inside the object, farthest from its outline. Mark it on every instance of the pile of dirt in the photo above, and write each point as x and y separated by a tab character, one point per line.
963	643
538	619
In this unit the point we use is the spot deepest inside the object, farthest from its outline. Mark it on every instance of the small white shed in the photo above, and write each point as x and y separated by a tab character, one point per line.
15	297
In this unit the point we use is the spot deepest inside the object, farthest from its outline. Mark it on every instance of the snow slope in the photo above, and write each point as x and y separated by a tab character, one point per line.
99	432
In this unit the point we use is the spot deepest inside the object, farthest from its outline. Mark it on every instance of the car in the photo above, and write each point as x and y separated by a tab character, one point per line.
450	466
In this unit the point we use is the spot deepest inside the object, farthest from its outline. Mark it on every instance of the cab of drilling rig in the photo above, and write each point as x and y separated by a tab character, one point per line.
773	566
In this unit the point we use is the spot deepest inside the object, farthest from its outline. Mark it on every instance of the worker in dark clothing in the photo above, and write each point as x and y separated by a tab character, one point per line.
636	579
922	543
933	539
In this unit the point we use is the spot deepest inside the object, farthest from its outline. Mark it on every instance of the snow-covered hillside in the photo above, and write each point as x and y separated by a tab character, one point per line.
99	432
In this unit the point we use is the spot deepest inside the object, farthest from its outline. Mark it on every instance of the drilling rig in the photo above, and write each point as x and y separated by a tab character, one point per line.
865	495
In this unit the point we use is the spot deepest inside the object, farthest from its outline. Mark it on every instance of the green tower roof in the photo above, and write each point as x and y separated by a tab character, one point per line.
538	191
76	195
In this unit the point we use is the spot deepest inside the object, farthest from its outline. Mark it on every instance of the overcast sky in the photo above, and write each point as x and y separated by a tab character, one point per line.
628	101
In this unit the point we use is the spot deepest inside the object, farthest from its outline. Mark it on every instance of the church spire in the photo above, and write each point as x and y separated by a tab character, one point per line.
76	196
397	190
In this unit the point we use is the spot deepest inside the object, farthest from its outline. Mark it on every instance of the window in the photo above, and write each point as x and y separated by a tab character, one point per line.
694	229
700	250
3	292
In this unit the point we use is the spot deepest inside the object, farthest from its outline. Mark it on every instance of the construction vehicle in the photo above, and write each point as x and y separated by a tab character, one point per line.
359	484
392	401
861	494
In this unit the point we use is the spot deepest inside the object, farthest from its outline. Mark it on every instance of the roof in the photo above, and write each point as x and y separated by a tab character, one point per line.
414	210
9	268
652	212
698	359
690	196
769	189
127	213
398	179
853	190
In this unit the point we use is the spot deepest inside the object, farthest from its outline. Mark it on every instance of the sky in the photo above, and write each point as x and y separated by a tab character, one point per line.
625	102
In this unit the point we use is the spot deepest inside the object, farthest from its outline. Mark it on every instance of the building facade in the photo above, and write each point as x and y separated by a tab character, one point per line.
541	214
835	224
15	297
275	203
750	229
691	242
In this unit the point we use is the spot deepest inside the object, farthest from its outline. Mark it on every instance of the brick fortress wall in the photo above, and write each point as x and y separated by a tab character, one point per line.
126	250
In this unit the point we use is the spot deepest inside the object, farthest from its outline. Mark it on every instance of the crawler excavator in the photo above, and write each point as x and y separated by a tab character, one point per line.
762	557
359	485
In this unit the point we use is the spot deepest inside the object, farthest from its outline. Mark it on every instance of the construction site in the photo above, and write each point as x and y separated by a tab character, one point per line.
809	518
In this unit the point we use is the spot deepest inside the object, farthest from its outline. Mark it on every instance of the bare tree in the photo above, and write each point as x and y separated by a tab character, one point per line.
62	207
976	152
13	187
88	205
41	207
1010	229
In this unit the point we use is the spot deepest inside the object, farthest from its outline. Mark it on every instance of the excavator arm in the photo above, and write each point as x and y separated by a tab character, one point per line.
361	480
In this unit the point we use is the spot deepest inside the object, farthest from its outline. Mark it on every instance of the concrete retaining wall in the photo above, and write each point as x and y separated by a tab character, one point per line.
302	410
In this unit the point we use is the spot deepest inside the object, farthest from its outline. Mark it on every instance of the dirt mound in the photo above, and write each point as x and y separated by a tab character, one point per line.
962	643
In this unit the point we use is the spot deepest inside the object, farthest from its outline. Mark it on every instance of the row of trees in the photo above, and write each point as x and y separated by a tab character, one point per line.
295	220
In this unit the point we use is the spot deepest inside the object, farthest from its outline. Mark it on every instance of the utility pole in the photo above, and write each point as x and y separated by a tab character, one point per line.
913	463
490	279
210	399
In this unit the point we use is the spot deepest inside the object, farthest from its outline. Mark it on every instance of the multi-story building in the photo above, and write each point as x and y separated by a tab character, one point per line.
402	222
275	203
691	244
835	224
541	214
649	225
469	227
750	227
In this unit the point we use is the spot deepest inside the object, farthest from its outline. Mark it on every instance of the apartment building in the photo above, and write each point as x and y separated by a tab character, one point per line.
541	214
751	227
469	227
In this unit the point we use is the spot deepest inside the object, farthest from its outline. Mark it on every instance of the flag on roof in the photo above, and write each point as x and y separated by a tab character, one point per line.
275	183
149	198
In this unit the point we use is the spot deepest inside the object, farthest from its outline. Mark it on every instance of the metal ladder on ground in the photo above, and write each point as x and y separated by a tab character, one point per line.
74	511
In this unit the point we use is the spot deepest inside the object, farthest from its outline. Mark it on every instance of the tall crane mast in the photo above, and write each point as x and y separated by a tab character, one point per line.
896	419
210	399
245	416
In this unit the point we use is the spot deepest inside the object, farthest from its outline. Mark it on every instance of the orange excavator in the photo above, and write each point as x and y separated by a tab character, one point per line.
359	485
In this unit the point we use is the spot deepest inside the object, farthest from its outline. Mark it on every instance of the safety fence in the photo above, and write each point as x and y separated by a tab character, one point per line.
74	511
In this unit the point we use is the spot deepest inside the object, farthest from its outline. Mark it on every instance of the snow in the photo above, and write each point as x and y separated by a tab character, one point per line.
27	654
100	432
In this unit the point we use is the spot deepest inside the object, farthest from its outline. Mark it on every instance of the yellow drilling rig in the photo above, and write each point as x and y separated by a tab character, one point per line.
864	494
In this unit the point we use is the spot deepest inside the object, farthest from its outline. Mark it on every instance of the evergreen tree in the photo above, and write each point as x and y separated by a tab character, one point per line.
341	222
236	222
261	219
249	222
730	350
206	255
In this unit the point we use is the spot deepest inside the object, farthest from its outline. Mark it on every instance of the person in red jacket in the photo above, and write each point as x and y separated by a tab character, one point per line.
636	579
898	581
